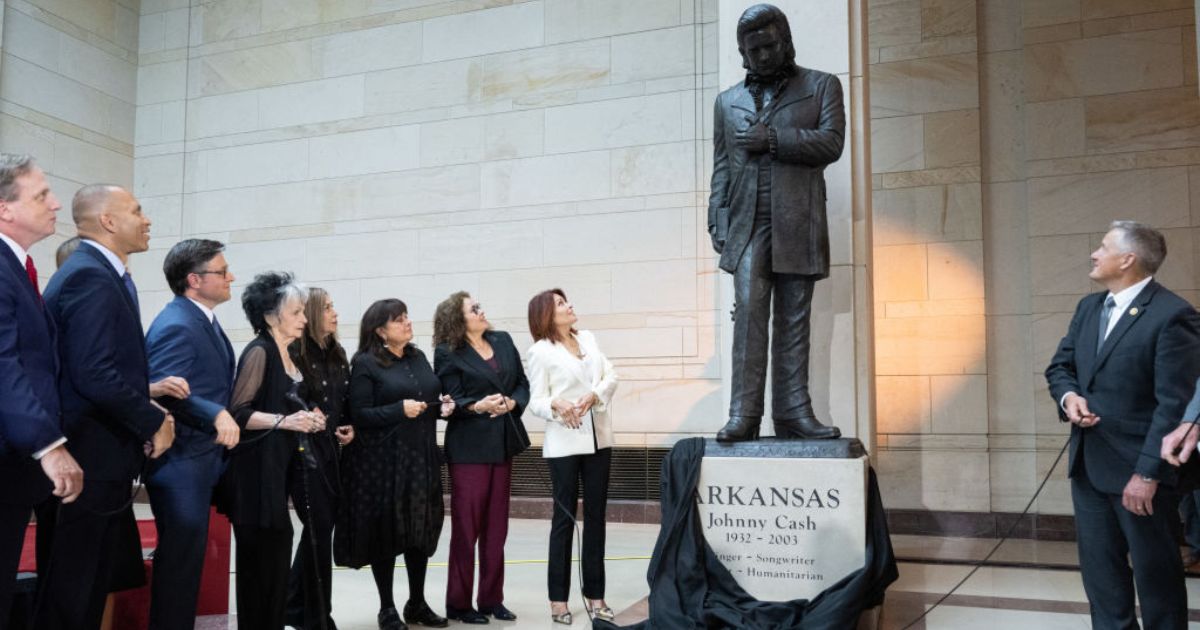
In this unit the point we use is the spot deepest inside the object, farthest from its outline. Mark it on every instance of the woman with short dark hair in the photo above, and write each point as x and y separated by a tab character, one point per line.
571	384
481	370
391	473
255	487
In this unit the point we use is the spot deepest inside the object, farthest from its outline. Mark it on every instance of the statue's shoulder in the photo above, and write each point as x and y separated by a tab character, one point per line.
809	76
731	92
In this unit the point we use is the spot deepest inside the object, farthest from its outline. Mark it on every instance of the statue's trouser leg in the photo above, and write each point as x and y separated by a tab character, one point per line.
790	346
752	293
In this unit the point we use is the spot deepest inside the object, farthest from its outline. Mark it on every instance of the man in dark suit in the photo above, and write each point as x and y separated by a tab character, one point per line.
773	136
1122	376
107	410
187	341
34	461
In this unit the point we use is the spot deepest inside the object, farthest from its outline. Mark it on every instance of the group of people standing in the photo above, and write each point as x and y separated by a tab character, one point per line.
350	442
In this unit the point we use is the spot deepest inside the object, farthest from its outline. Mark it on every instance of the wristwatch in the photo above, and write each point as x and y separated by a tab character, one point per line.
1147	479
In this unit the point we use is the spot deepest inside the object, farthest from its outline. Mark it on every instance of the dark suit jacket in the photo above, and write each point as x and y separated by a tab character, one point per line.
104	381
1138	384
477	438
809	122
29	415
182	342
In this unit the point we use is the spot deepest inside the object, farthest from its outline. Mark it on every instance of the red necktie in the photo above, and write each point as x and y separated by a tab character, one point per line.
32	271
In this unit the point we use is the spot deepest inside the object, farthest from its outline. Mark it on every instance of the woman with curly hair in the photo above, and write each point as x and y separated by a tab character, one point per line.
262	469
481	370
391	473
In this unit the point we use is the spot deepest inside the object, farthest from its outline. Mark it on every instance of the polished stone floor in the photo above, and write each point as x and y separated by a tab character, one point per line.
1009	593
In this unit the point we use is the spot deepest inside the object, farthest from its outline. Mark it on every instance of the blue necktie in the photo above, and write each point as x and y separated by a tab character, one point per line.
132	290
221	338
1105	314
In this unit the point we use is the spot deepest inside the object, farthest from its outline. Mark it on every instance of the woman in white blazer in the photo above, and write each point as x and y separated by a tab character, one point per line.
571	384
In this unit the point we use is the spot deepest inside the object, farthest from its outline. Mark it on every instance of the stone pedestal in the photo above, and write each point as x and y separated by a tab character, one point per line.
786	517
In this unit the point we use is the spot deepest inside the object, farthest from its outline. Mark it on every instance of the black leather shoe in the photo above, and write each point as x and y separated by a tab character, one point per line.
466	615
805	428
420	614
389	619
499	612
739	429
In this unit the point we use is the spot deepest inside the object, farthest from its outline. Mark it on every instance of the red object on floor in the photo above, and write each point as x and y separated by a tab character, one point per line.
132	607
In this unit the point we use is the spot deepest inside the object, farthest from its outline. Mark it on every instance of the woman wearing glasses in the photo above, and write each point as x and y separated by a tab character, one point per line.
481	369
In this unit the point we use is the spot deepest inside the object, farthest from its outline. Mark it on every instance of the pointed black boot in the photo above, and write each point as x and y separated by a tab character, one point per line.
739	429
805	428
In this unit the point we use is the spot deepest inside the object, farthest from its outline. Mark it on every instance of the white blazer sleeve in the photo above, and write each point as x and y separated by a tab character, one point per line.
607	385
539	383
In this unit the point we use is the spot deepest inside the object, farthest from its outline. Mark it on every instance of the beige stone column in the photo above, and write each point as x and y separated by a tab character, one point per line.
828	36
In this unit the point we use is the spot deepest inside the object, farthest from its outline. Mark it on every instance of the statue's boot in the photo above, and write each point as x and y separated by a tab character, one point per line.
806	427
739	429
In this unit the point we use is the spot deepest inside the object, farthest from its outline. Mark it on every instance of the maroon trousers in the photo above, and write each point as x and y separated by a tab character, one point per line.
478	514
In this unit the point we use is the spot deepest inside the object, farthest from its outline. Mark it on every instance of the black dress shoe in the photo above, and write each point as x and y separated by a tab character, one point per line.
499	612
805	428
739	429
389	619
420	614
466	615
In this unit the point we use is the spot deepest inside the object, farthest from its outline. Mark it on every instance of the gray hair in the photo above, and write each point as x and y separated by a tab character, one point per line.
1144	242
12	166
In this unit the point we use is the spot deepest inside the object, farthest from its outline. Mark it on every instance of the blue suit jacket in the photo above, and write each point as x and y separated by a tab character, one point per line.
104	382
183	343
29	415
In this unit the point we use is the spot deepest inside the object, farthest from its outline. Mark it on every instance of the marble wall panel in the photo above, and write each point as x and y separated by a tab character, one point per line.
425	191
1009	378
1002	119
1075	204
934	480
97	17
955	270
231	19
952	138
655	286
654	169
612	238
163	30
78	60
549	179
311	102
897	144
902	404
927	214
573	20
1055	128
893	22
1098	9
370	49
1143	121
222	115
655	406
959	403
547	69
362	152
483	32
454	141
158	175
1037	13
250	68
351	256
668	52
614	123
946	18
42	91
159	123
901	273
930	345
514	135
421	87
506	293
248	165
1124	62
22	136
513	245
1006	249
924	85
161	82
1060	264
86	162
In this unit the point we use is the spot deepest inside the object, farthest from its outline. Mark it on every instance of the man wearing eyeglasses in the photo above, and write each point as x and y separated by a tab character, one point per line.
187	341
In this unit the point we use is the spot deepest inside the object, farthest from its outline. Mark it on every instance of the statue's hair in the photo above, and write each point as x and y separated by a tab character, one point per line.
761	16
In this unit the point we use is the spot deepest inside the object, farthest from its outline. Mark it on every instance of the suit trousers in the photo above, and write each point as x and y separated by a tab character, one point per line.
310	583
479	499
565	473
262	573
14	520
1106	532
754	285
80	552
181	517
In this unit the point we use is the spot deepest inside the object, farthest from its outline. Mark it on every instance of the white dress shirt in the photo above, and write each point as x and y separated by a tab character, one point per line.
112	258
1121	301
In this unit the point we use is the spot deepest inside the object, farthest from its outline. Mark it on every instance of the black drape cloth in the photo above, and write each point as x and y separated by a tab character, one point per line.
690	588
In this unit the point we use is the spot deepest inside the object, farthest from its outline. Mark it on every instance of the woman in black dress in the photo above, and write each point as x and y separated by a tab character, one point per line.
391	474
322	361
254	490
481	369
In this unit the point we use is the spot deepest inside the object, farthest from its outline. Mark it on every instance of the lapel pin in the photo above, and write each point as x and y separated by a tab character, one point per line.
1133	311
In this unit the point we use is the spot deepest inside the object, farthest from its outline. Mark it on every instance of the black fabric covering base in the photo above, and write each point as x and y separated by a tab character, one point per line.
690	588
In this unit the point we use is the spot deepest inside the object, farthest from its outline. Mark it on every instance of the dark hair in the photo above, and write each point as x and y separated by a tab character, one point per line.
541	316
761	16
264	296
377	316
12	166
65	249
449	323
188	257
1146	243
315	347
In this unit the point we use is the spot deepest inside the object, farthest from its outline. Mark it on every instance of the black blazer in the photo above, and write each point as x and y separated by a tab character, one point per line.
477	438
1139	384
29	416
105	378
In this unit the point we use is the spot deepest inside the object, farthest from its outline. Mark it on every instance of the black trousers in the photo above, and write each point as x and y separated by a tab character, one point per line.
81	551
1106	533
262	574
310	583
14	519
754	286
565	473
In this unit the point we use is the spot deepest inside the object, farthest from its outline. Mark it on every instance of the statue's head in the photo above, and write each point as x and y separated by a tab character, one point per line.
765	40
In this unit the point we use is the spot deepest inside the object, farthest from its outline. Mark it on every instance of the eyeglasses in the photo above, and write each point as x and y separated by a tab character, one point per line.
224	273
477	308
